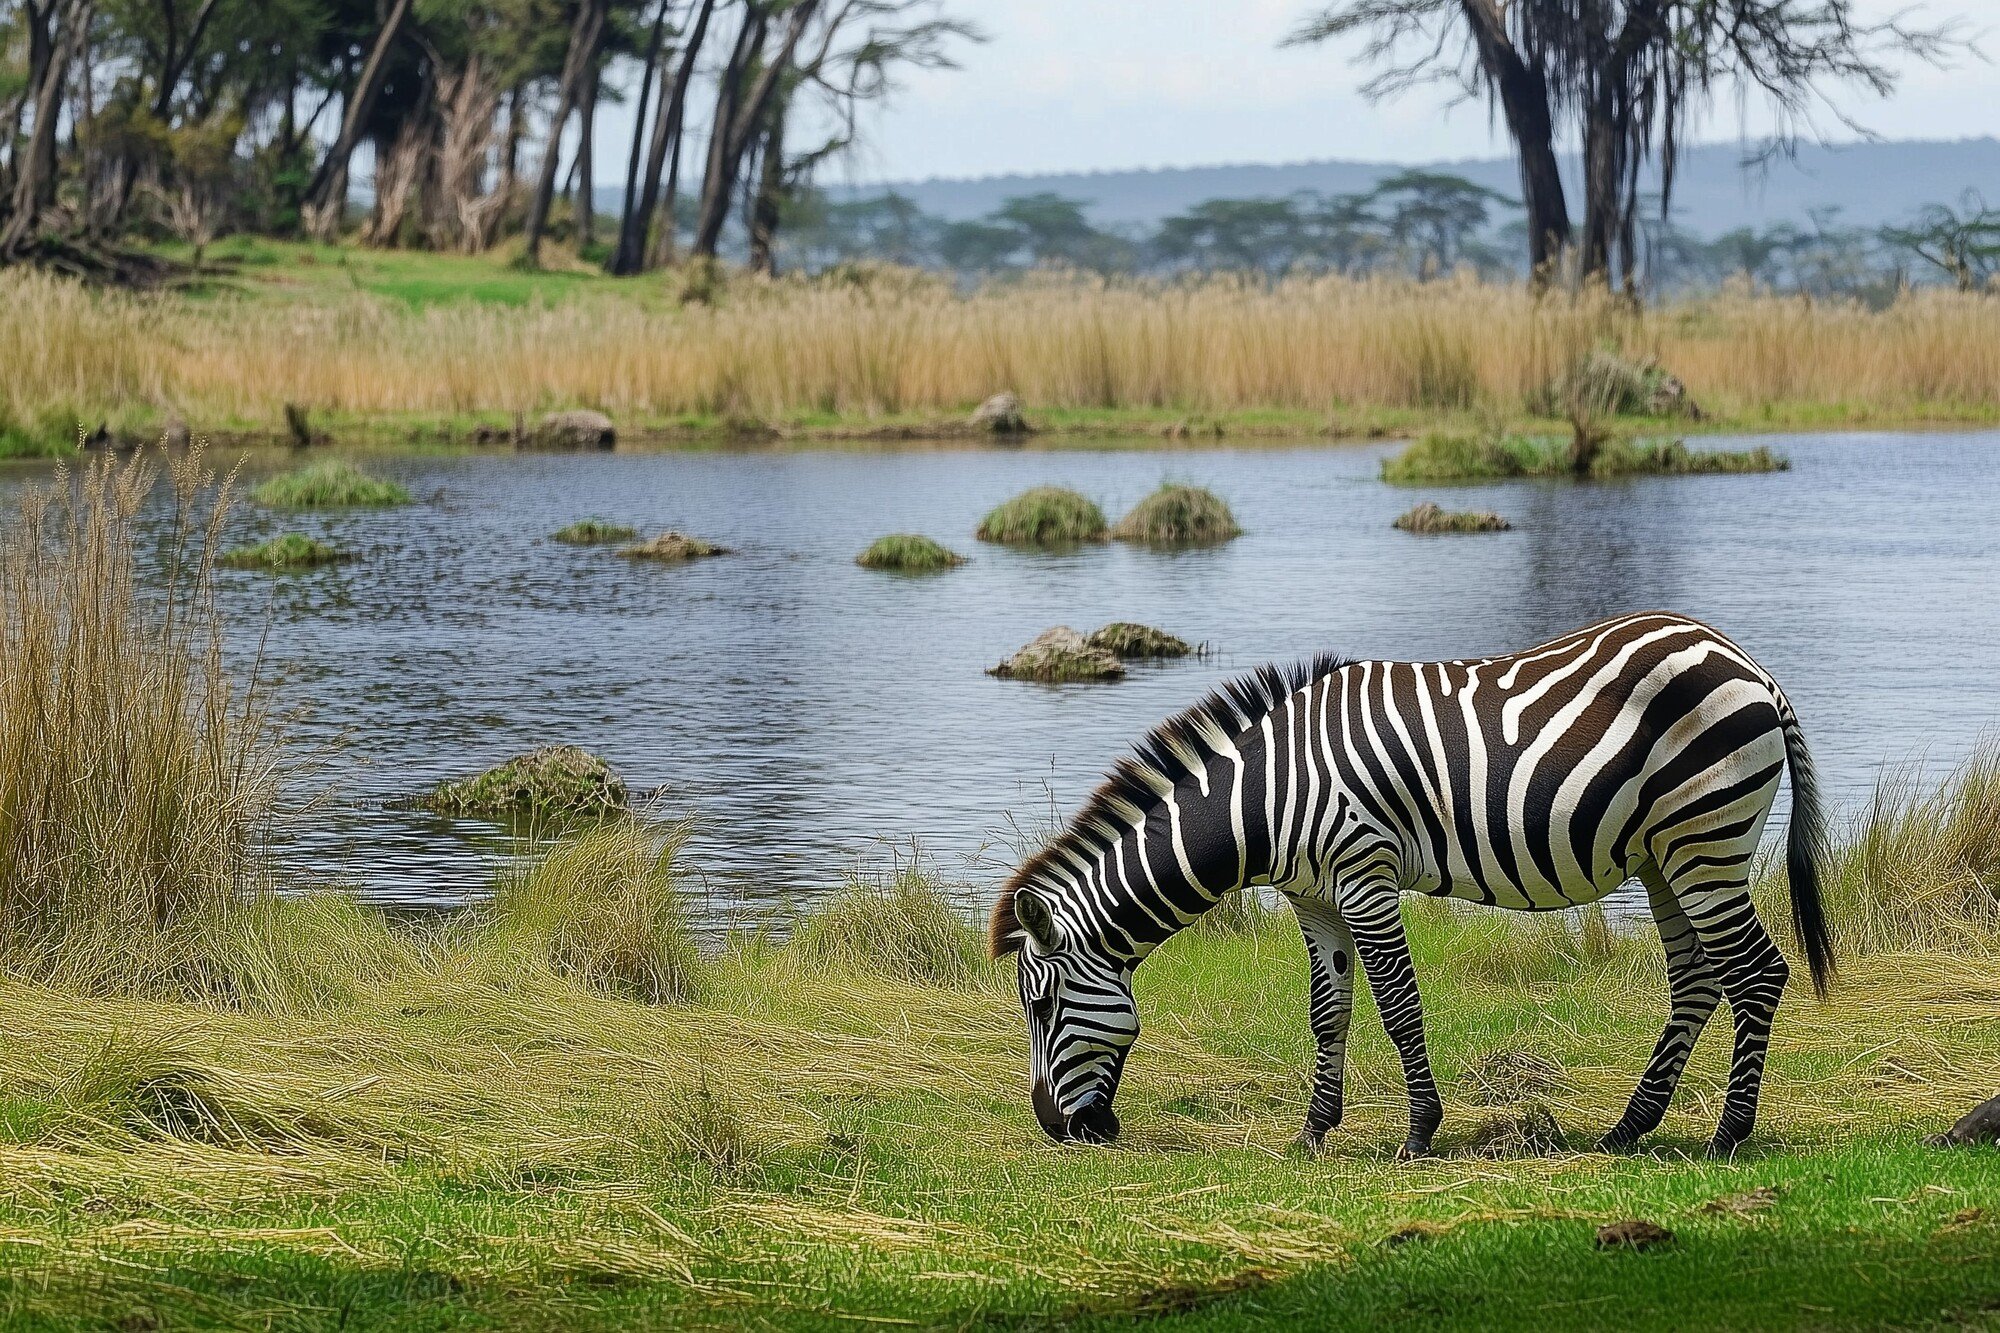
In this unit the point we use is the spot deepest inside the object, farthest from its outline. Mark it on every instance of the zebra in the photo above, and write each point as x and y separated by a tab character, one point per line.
1647	746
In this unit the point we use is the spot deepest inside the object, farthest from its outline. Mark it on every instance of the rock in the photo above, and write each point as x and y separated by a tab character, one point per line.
175	434
672	548
562	780
1057	655
1979	1125
1000	415
1128	641
1532	1133
1633	1233
579	429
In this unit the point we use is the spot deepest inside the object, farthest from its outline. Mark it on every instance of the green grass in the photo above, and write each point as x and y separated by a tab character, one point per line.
290	551
330	484
1177	515
909	553
1450	456
1429	518
593	532
1044	516
558	781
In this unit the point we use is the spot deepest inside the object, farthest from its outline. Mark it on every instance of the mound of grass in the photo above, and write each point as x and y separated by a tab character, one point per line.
1060	655
293	550
563	781
1429	519
603	908
909	553
593	532
1177	515
1130	641
1044	516
1444	456
901	928
330	484
1604	383
672	548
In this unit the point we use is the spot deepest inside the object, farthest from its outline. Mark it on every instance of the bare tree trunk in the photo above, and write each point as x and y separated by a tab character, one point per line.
586	176
326	197
765	206
718	180
634	234
584	35
62	36
732	135
1524	101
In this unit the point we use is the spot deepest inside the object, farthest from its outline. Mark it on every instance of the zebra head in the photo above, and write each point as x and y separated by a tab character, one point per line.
1081	1019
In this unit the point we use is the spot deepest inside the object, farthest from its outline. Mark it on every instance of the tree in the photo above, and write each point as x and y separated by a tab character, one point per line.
1963	243
585	34
1252	235
1430	215
326	197
57	31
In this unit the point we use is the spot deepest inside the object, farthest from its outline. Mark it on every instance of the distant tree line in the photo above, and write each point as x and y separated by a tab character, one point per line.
195	117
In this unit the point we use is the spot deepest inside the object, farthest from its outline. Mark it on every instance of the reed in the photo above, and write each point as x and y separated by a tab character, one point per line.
1323	346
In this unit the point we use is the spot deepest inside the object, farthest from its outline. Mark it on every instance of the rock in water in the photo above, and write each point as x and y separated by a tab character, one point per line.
1058	655
562	780
1979	1125
1000	415
1127	640
580	429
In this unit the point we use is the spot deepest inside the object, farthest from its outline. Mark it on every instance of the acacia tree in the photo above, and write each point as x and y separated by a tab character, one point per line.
1963	242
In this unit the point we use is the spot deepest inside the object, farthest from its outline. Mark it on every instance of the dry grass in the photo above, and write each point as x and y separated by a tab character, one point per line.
672	548
898	926
136	777
1322	345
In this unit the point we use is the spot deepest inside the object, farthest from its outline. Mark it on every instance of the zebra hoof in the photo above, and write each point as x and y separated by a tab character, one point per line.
1306	1143
1617	1142
1722	1149
1412	1150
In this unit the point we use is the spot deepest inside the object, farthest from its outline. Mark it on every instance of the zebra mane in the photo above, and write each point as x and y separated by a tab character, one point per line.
1174	750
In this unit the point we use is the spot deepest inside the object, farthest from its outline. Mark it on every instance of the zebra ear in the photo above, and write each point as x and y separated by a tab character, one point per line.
1037	918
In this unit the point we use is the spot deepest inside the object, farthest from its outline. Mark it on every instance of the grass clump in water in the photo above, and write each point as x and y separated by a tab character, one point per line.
564	781
672	548
330	484
293	550
901	927
593	532
1060	655
1044	516
1129	641
1177	515
909	553
604	908
1429	519
1445	456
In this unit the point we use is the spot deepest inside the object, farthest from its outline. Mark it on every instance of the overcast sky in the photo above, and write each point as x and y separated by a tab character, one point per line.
1081	85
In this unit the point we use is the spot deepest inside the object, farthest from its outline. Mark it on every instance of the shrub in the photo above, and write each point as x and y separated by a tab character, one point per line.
603	907
136	777
909	553
593	532
330	484
294	550
900	927
1428	519
672	548
1178	515
1044	516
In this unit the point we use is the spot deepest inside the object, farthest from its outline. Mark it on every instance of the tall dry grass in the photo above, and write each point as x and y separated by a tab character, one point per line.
1322	344
136	776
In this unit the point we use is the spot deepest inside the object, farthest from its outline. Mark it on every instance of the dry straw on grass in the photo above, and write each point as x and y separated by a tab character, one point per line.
1320	345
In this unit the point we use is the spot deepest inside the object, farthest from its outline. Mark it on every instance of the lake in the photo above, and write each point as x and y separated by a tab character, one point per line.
818	718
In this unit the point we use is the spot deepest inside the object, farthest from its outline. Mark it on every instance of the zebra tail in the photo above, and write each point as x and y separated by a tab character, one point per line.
1806	854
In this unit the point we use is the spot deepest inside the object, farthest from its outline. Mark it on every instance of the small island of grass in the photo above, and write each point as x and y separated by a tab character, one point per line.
593	532
672	548
558	780
331	484
1442	456
292	551
1044	516
1431	519
908	553
1177	515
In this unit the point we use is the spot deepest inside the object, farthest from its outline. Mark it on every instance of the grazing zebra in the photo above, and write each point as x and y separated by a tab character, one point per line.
1648	746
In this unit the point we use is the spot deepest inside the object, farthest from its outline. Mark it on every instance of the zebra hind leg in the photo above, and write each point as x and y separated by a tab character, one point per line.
1753	975
1693	991
1330	1007
1375	916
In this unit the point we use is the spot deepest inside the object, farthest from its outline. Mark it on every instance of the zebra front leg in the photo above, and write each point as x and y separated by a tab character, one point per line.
1330	1007
1693	991
1753	975
1374	915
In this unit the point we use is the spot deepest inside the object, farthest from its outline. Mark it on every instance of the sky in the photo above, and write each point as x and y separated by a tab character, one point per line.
1088	85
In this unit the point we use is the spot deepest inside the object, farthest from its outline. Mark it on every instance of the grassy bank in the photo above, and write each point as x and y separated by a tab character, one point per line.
903	354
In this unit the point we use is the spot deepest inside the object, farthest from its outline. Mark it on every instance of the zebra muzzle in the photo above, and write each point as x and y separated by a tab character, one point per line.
1092	1122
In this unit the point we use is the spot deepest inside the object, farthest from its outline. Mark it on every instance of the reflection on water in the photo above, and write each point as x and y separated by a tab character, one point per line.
811	711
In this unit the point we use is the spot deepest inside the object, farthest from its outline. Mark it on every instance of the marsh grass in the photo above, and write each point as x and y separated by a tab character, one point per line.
1442	456
330	484
899	925
909	553
290	551
1130	641
593	532
1044	516
136	777
1429	518
672	548
1178	515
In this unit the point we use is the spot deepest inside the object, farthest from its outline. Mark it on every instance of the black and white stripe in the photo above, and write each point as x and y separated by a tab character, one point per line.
1646	747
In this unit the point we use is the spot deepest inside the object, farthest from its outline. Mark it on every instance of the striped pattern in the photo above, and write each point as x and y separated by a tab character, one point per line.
1646	747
